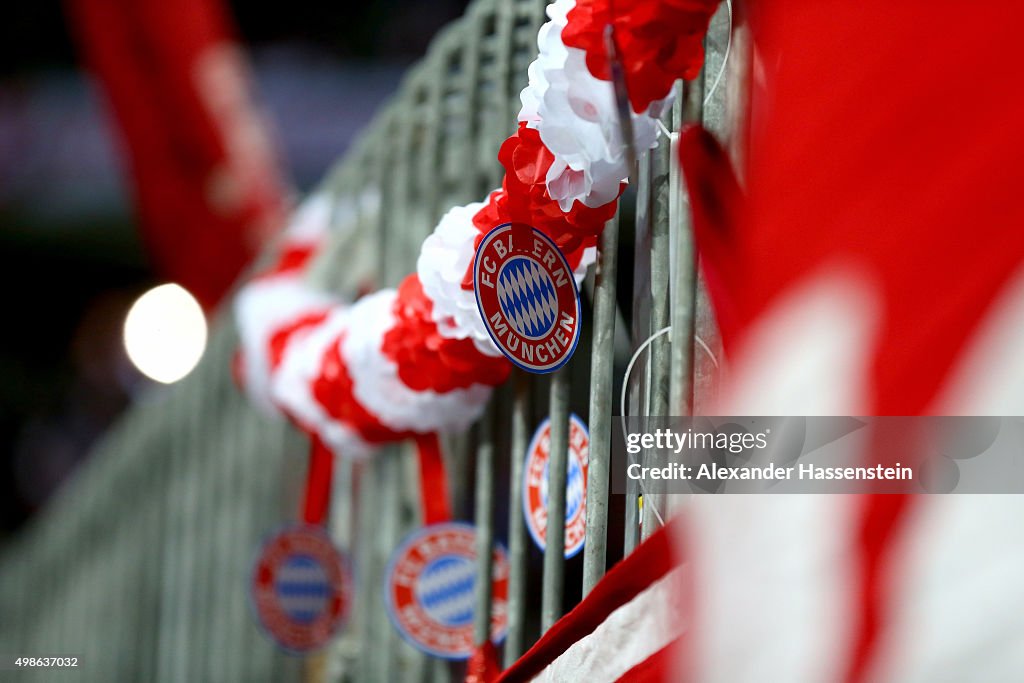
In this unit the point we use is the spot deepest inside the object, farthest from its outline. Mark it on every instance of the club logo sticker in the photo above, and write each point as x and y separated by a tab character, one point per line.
527	297
535	485
428	590
301	588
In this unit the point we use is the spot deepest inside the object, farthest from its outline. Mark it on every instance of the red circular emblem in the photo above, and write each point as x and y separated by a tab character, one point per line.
428	590
527	297
301	588
535	485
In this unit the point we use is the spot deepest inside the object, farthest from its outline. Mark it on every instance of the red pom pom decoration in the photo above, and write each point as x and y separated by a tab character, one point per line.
658	42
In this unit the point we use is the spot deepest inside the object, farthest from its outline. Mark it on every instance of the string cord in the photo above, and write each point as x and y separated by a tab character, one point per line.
725	57
625	388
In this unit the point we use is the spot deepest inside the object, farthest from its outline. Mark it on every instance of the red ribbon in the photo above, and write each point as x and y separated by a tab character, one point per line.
433	480
317	496
483	665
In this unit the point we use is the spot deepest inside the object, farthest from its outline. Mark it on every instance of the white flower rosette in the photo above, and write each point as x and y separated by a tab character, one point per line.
577	118
444	258
379	389
261	308
291	387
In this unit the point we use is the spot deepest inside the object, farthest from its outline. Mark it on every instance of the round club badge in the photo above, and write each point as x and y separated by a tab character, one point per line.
428	590
527	296
535	485
301	588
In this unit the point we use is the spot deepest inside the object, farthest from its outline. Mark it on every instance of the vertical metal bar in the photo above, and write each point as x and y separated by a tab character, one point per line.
684	305
345	531
388	539
365	607
554	540
602	365
473	182
660	308
641	326
517	541
660	273
251	457
484	520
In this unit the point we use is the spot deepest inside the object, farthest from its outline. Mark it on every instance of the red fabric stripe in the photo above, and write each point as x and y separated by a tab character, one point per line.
880	521
658	668
483	665
433	480
317	498
651	560
717	203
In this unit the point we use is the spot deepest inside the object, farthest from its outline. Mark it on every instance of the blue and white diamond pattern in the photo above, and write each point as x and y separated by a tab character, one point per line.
302	588
527	297
445	589
574	487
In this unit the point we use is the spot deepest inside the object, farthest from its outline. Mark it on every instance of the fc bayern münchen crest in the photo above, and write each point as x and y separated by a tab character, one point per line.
527	296
301	588
428	590
535	485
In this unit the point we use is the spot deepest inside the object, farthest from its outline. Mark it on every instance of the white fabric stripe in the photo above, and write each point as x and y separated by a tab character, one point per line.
958	608
775	587
775	572
809	354
629	636
989	378
959	612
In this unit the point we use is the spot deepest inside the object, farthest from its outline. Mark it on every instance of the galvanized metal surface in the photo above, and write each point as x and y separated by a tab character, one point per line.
484	520
517	540
602	382
553	588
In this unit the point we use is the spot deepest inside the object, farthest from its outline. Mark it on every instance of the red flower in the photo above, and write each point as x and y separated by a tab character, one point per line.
334	391
523	198
425	359
658	42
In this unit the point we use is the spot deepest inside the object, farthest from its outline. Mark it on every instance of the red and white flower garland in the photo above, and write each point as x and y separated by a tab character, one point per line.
416	360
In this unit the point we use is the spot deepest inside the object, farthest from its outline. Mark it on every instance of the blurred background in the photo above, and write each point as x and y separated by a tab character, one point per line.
93	208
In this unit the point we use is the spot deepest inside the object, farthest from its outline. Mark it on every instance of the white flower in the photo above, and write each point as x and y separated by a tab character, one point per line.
444	258
577	118
262	307
379	389
291	387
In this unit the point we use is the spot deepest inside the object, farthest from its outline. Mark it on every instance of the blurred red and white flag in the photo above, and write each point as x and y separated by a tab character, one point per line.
207	183
870	263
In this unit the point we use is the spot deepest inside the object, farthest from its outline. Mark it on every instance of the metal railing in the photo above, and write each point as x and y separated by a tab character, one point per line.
141	564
